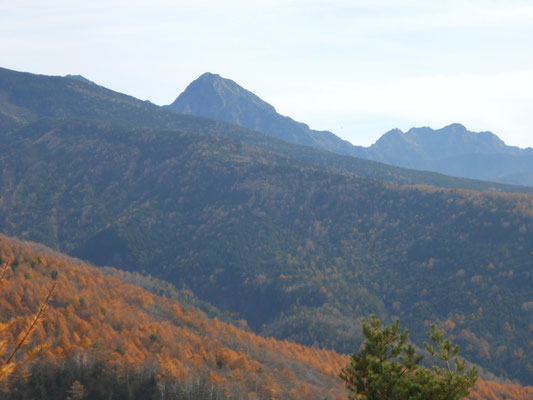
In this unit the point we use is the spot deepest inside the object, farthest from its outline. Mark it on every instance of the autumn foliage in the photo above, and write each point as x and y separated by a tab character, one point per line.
489	390
94	318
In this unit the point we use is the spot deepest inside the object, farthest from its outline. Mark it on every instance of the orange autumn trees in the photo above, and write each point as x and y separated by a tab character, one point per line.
8	363
95	319
489	390
147	345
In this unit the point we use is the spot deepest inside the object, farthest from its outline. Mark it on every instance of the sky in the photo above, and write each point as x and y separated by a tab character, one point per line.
357	68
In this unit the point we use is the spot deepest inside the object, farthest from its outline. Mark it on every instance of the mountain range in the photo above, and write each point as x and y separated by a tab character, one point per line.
299	242
452	150
28	97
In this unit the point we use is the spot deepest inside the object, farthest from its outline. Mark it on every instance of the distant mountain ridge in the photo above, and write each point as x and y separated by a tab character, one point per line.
212	96
452	150
26	98
456	151
426	143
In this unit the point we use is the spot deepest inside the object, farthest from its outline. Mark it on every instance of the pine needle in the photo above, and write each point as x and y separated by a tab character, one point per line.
38	317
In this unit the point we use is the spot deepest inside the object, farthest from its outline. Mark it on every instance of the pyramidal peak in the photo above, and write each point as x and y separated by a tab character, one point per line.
80	78
214	80
209	76
213	96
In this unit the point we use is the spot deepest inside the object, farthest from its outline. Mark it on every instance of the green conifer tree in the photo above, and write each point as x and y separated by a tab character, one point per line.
388	368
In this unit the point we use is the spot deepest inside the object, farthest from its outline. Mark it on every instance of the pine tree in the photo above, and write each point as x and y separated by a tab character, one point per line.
388	368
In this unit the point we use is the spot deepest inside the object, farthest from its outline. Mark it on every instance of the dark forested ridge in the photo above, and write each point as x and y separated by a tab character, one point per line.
298	250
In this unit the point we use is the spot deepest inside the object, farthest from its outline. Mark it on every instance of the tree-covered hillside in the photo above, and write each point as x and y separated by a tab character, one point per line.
119	341
104	338
299	251
26	98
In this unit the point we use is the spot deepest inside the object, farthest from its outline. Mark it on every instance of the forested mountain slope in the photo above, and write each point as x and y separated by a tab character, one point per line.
118	341
298	251
26	98
121	342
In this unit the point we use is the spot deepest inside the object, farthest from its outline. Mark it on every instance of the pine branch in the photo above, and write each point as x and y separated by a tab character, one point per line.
3	368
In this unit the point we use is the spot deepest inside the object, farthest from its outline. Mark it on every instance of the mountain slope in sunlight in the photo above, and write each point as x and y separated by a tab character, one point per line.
95	319
116	339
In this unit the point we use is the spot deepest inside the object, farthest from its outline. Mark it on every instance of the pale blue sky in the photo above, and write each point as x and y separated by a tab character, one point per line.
357	68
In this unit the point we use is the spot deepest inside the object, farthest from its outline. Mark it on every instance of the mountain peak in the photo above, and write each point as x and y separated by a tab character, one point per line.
425	143
213	96
392	132
209	76
79	78
456	127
